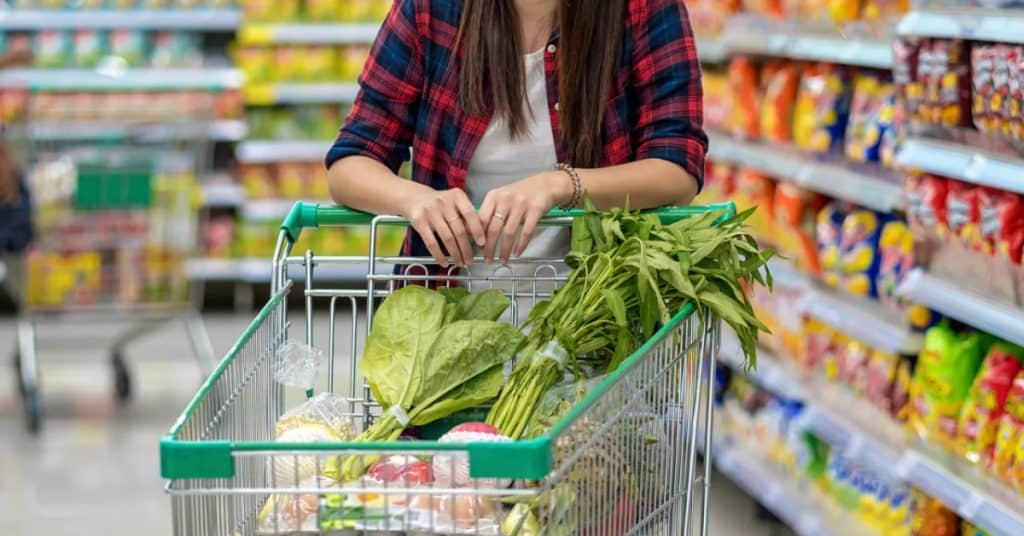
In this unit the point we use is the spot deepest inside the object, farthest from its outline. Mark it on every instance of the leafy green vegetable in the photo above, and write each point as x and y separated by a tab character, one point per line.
631	274
423	365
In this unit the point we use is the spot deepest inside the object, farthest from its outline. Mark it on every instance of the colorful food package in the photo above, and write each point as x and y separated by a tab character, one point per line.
767	8
269	10
743	80
985	404
909	88
256	62
961	210
853	362
319	63
828	231
859	258
794	211
822	108
288	63
880	379
52	49
930	517
926	204
1010	433
1005	223
948	82
833	362
896	258
292	179
779	98
257	180
901	387
174	49
454	514
321	10
871	117
129	44
754	189
1013	111
89	47
983	85
844	11
945	370
351	59
719	182
884	10
818	339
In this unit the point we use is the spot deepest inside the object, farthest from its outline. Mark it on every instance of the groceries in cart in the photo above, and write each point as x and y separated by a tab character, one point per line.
435	358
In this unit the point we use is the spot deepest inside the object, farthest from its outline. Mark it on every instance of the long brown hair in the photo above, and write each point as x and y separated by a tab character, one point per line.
491	71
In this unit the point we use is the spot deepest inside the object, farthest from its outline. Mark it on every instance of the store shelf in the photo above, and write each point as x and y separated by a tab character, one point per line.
770	373
792	44
271	209
950	299
871	438
775	490
121	80
870	186
713	50
312	33
177	19
258	271
1000	25
228	130
963	162
301	93
265	152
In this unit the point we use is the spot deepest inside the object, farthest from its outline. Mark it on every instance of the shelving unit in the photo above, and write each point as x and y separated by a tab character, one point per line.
871	186
226	130
947	297
340	92
793	42
871	438
1001	25
257	271
310	33
963	163
262	152
177	19
210	79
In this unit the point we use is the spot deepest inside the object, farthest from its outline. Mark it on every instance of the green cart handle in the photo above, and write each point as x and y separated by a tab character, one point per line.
312	215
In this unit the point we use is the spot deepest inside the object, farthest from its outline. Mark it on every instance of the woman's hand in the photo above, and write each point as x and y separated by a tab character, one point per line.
448	216
522	203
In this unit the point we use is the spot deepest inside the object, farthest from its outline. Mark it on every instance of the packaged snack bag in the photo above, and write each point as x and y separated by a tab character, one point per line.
794	213
291	179
130	45
983	64
1010	431
827	232
858	252
996	105
945	370
288	63
319	63
822	108
926	204
777	107
257	181
834	362
896	258
89	48
356	10
1013	113
951	82
879	379
909	90
844	11
754	189
321	10
743	80
351	59
902	378
985	404
961	209
1008	216
52	49
719	182
884	10
767	8
818	339
854	365
871	117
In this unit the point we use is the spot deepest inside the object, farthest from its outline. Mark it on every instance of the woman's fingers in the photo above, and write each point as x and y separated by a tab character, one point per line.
530	222
444	232
495	222
470	219
511	230
424	228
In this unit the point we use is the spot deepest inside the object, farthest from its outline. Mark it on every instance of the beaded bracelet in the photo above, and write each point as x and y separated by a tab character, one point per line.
577	187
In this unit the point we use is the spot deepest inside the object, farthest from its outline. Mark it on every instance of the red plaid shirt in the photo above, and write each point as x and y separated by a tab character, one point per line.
409	95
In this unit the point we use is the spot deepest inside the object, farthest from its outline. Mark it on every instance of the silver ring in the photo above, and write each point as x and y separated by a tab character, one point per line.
499	215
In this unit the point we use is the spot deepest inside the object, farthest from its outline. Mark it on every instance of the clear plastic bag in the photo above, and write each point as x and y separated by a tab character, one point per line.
296	365
556	402
289	513
326	409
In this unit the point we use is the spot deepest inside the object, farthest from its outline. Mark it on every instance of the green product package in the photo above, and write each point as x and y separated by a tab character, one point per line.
946	368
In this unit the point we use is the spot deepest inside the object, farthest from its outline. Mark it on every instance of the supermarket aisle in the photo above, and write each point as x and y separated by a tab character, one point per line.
95	468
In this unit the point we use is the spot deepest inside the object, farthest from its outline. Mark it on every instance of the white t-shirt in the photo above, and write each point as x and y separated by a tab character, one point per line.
499	160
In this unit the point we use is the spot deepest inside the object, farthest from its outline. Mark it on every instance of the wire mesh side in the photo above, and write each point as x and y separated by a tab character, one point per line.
243	404
627	464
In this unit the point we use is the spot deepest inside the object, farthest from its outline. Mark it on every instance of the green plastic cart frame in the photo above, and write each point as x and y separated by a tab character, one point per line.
644	420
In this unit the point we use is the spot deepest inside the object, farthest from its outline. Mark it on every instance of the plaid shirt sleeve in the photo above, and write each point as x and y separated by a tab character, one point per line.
666	76
383	116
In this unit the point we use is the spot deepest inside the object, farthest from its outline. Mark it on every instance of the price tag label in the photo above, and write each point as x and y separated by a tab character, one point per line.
975	167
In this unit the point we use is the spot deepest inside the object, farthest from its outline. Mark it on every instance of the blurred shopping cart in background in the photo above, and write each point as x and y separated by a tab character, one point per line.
114	187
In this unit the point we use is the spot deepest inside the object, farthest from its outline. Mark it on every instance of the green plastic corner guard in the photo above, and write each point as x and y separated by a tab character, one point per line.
531	459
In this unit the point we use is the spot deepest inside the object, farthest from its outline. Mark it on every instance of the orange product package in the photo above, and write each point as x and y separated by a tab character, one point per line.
719	182
883	10
986	402
754	189
767	8
795	210
744	120
781	86
844	11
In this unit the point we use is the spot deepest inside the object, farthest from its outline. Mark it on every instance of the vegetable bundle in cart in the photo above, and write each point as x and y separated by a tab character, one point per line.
547	397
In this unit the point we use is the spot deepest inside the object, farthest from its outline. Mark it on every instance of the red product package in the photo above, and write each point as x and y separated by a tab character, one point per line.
952	72
1014	106
985	404
997	210
926	203
961	209
1010	432
909	89
983	64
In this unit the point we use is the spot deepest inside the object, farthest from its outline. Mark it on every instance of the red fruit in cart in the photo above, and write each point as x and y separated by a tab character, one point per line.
453	470
405	469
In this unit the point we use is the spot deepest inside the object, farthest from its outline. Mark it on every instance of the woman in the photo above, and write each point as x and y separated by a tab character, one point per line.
521	106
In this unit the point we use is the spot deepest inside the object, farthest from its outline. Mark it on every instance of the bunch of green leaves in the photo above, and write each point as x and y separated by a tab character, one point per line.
430	355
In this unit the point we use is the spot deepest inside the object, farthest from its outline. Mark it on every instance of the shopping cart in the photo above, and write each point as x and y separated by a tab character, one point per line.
115	217
621	461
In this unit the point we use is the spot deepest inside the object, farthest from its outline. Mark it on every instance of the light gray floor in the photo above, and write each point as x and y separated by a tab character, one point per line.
94	469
